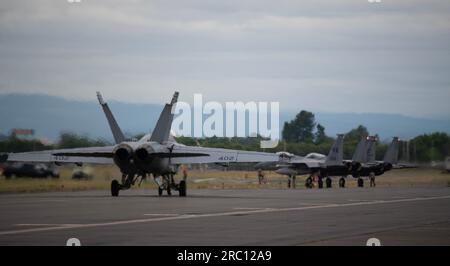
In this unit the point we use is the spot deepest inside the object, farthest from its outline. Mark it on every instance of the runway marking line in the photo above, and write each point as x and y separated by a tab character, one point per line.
248	208
62	225
161	214
206	215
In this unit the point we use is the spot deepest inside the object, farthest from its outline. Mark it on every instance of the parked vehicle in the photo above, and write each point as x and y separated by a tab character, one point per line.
30	170
82	173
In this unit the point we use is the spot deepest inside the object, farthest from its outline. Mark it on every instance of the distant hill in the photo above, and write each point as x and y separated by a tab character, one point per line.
385	125
49	115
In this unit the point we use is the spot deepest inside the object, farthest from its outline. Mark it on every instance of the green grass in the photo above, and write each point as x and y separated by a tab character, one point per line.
214	180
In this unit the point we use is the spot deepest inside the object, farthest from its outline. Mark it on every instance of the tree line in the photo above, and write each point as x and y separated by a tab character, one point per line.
300	136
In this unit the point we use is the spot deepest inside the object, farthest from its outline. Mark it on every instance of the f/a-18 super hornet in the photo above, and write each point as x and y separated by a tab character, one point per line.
154	154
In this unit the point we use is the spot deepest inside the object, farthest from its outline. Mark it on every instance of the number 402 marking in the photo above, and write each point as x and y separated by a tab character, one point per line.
226	158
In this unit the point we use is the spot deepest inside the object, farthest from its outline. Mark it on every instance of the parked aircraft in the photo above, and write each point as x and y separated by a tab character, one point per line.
325	166
154	154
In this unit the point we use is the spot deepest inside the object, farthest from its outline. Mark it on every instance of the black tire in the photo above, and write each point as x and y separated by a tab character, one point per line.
342	182
308	182
320	183
328	182
169	191
160	191
360	182
182	188
115	187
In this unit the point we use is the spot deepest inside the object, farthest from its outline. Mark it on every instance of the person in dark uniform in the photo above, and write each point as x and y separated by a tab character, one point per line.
260	176
372	179
185	172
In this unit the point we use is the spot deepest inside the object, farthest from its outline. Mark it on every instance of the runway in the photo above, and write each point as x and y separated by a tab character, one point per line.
396	216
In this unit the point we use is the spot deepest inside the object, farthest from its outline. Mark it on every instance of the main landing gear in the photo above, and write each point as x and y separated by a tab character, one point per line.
309	182
127	182
115	187
342	182
360	182
320	182
328	182
165	182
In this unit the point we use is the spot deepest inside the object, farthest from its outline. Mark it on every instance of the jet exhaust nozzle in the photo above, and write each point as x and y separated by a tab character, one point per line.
143	153
122	155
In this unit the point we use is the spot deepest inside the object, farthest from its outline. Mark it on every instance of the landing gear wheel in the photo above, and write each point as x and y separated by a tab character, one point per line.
160	191
182	188
320	182
115	187
328	182
308	182
342	182
360	182
169	192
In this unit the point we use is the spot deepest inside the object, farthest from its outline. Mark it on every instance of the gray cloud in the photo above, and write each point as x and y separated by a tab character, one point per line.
338	56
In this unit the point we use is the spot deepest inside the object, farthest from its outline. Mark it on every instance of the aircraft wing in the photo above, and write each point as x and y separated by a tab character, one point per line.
306	163
94	155
192	155
405	165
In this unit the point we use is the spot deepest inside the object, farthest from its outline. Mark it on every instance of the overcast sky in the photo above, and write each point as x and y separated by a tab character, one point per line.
336	56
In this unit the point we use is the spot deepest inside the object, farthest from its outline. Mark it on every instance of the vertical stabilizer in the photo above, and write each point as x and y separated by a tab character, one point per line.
336	154
371	149
115	129
391	155
161	132
360	154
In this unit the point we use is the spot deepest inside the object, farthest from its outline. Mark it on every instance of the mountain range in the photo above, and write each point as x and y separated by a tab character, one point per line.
50	115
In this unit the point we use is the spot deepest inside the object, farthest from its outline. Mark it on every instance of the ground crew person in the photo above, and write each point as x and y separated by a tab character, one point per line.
372	179
185	173
261	176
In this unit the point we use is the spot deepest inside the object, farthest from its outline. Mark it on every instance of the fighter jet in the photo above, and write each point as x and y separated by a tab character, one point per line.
154	154
320	165
371	166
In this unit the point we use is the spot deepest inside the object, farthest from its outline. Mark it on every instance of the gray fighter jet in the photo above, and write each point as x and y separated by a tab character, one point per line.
318	164
325	166
154	154
371	166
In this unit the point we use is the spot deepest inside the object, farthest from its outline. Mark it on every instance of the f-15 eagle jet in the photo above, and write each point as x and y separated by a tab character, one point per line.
324	166
154	154
332	164
370	166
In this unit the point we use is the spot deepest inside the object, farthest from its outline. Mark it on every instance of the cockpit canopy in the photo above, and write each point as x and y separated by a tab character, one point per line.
315	156
284	155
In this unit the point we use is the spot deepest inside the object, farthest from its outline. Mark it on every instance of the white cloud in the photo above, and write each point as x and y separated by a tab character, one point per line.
324	55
